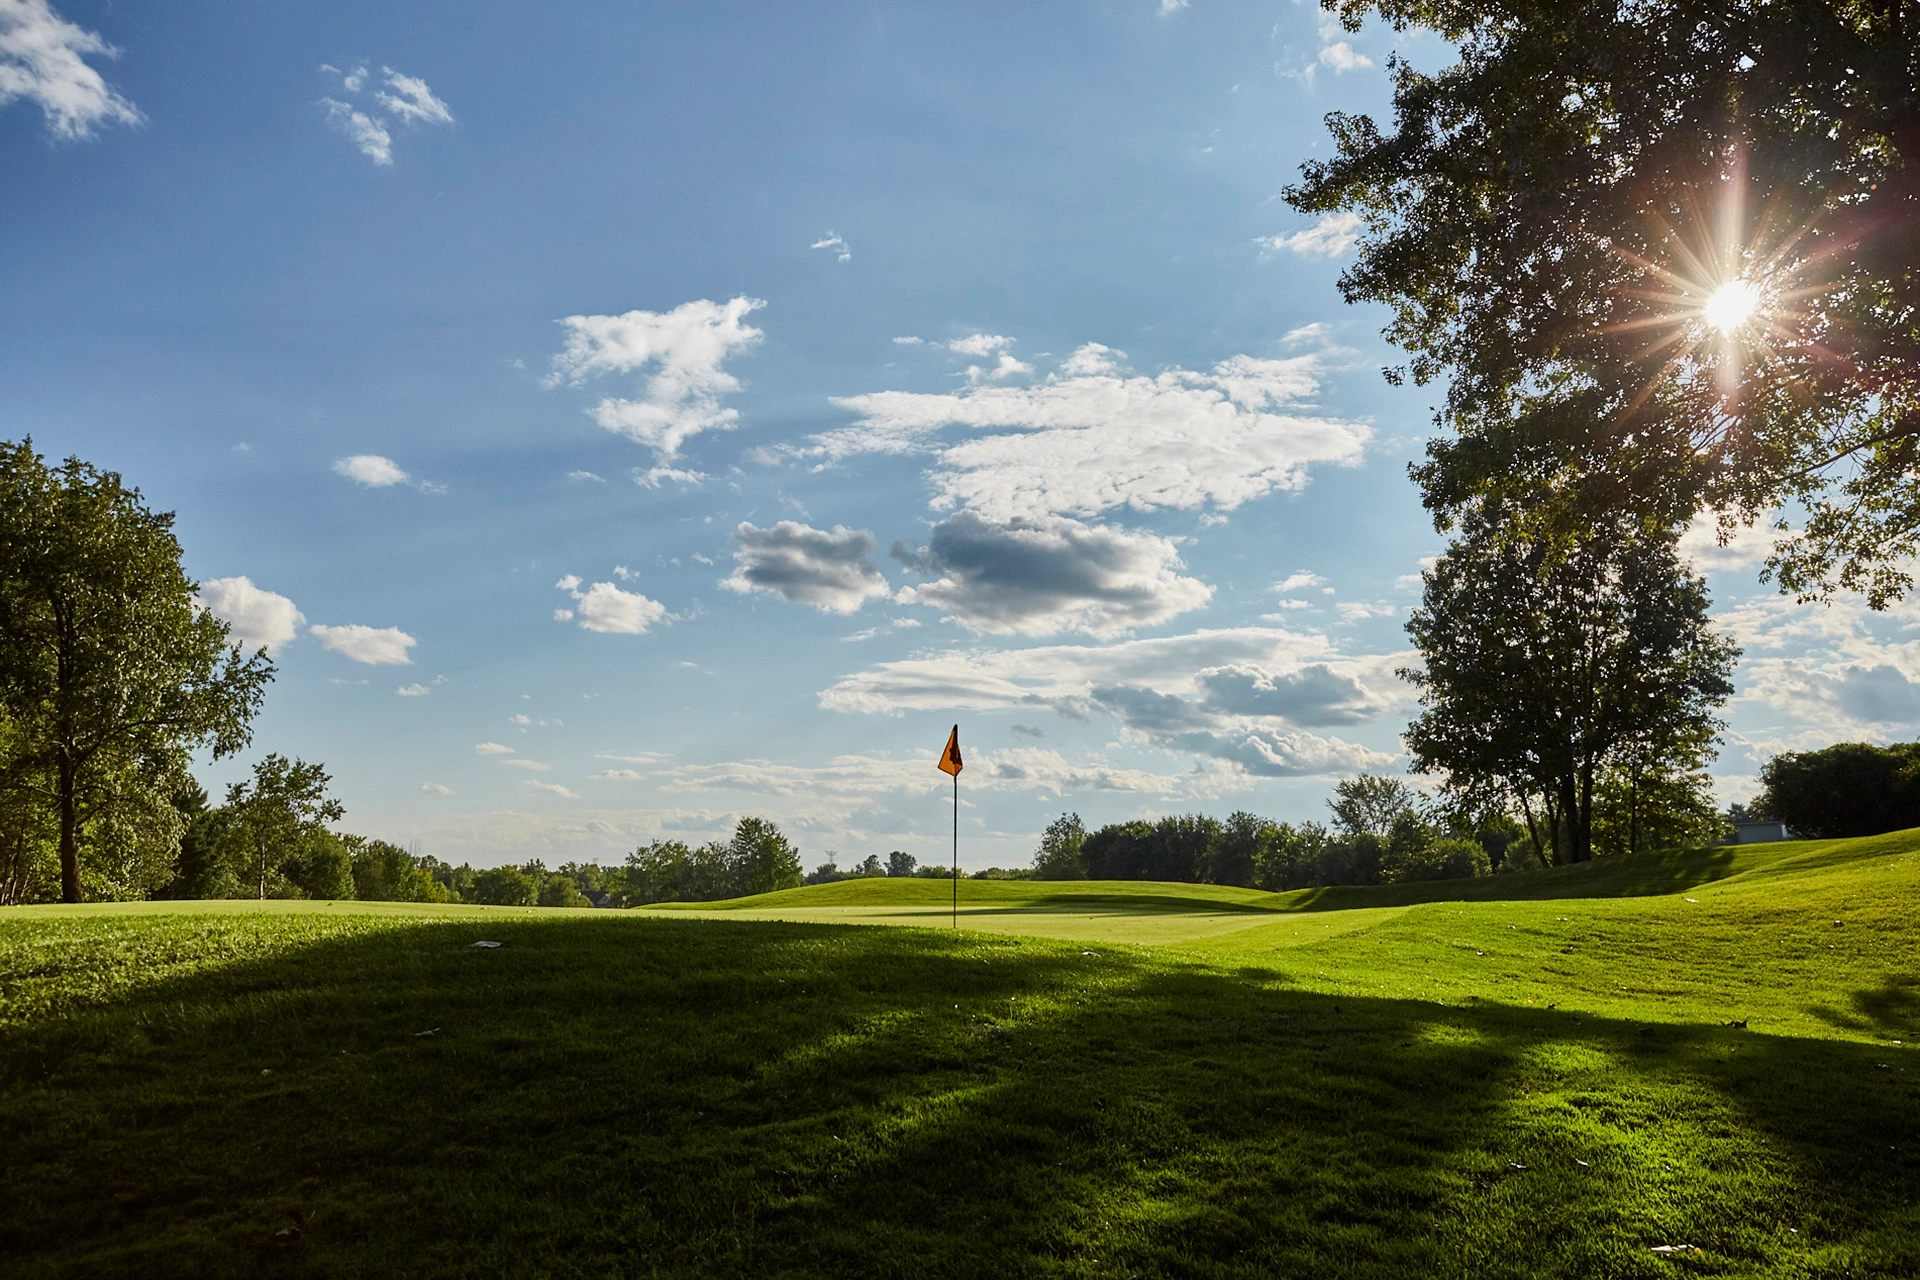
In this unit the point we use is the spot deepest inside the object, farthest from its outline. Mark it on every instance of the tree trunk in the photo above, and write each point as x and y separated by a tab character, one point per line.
69	831
263	868
1576	850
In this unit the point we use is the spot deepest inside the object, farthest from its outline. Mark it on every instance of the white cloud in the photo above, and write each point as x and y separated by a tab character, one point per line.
1091	359
371	470
835	245
1079	444
1316	333
586	475
618	775
531	765
832	570
1171	6
1839	670
411	101
43	61
552	789
980	344
1360	610
654	477
685	347
1748	546
405	99
1299	582
436	788
1341	57
1041	577
256	618
522	720
1007	367
413	690
492	749
366	133
1330	237
376	646
909	341
607	609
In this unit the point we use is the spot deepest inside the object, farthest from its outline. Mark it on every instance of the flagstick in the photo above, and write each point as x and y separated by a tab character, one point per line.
956	851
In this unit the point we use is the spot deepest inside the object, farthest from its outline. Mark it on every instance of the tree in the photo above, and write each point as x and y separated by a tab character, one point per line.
561	891
1369	804
870	866
277	816
504	887
761	859
1848	789
1545	666
1664	250
901	863
1243	843
109	674
1060	855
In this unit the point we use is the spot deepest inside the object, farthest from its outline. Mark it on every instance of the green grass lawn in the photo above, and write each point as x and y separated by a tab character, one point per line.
1522	1076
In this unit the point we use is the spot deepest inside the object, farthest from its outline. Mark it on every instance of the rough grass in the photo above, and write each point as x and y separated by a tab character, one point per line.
1530	1078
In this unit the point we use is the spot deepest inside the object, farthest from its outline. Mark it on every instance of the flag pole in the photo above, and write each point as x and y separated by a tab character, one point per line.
956	851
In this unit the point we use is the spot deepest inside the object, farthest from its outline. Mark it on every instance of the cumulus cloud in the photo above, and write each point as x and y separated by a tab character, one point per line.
436	788
605	608
492	749
1245	698
533	766
685	348
415	690
586	475
371	470
1040	577
376	646
403	99
256	618
1300	581
980	344
1082	442
1330	237
835	245
552	789
1839	669
1341	57
830	569
43	61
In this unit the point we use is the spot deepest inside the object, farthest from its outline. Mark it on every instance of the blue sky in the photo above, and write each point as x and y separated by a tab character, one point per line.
621	418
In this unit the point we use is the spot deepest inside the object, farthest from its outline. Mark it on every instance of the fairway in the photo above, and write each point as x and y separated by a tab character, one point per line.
1528	1075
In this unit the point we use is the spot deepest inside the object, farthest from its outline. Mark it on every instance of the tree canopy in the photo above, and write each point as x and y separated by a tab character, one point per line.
110	677
1547	666
1664	252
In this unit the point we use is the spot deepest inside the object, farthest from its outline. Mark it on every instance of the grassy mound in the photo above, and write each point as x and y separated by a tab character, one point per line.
1531	1078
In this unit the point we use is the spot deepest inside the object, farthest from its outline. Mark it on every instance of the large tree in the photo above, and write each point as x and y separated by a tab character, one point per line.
108	671
1665	254
279	818
1547	664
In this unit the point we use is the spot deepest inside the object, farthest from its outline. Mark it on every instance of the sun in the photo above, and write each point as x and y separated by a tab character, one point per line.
1731	306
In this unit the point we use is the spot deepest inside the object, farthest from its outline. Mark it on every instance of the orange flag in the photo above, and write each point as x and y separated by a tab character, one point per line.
950	758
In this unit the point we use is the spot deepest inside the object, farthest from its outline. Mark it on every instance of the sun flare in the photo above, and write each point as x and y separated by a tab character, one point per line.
1732	305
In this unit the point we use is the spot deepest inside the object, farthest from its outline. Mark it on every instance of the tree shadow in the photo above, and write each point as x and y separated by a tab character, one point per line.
720	1098
1146	904
1636	875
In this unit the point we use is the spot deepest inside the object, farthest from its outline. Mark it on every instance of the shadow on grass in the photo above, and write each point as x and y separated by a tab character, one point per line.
1139	904
711	1098
1636	875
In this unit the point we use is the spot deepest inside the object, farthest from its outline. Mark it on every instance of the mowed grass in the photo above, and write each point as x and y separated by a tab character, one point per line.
1526	1076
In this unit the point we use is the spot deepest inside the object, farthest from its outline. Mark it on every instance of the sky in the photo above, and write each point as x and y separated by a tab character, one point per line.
617	419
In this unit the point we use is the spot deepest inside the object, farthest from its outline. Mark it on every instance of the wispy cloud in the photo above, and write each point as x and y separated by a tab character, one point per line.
43	61
402	99
835	245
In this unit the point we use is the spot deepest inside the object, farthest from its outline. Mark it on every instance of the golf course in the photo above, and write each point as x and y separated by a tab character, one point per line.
1650	1065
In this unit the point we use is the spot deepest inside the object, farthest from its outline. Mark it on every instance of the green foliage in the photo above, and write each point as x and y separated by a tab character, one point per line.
1369	804
276	820
1061	855
110	678
505	887
384	872
1848	789
901	863
758	859
560	891
1548	216
1545	666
